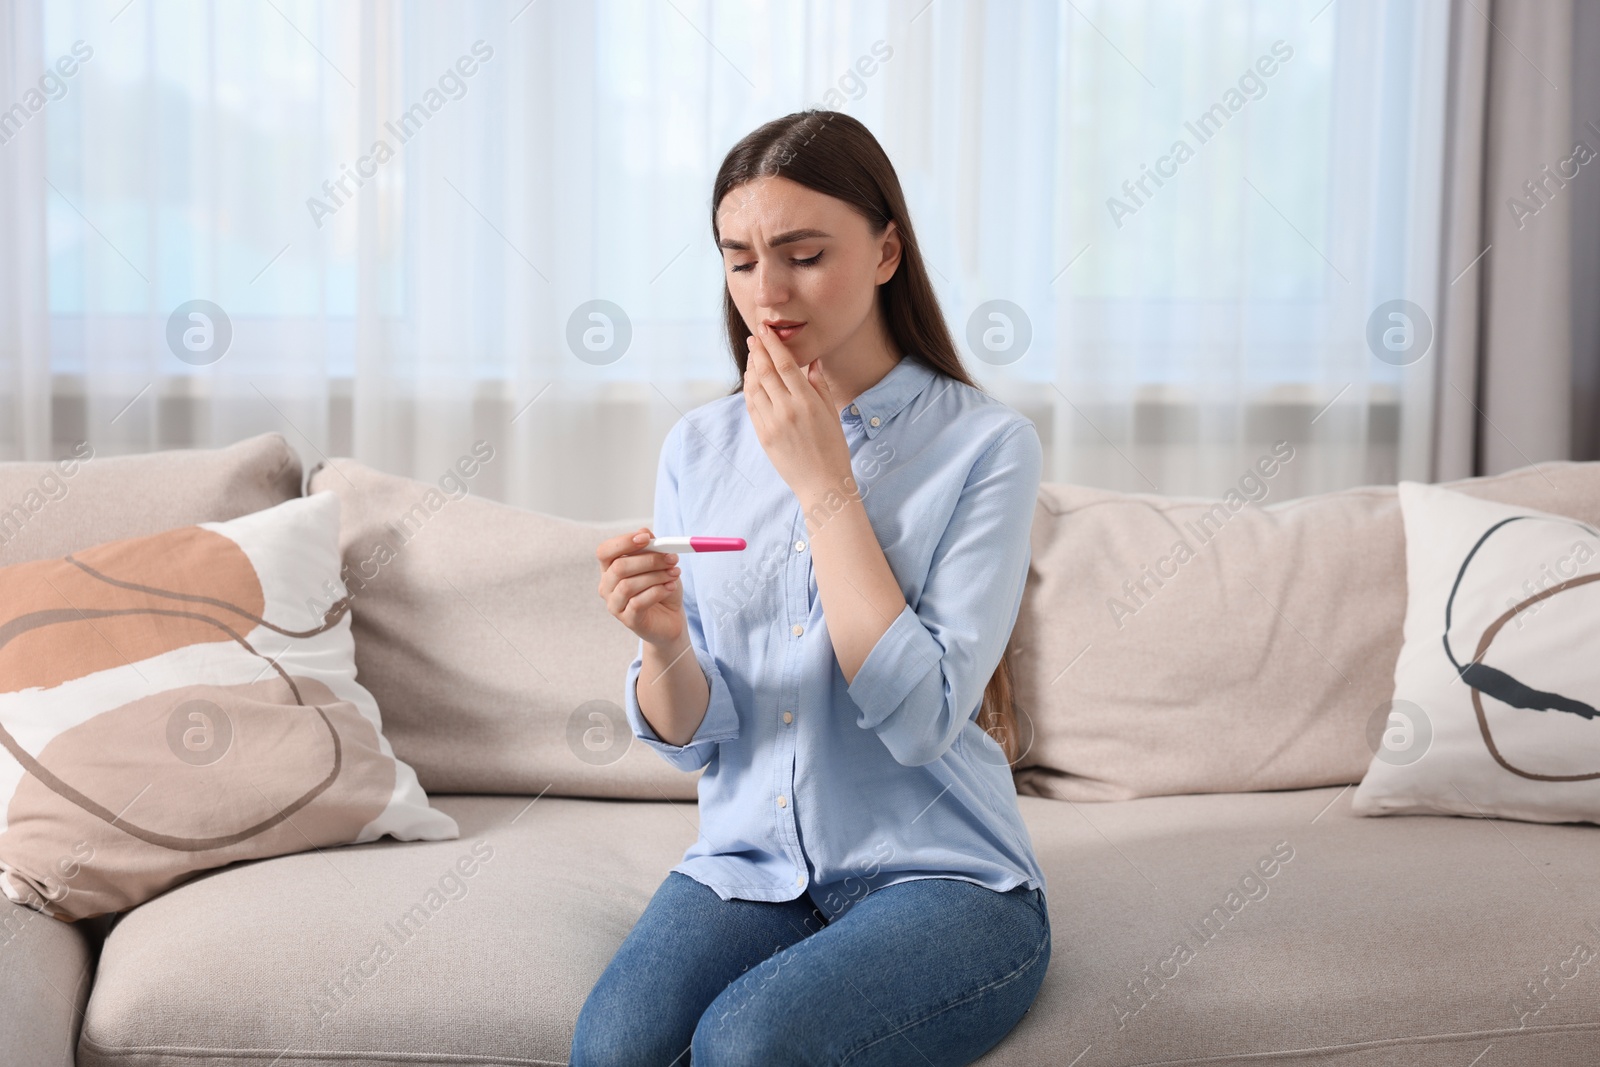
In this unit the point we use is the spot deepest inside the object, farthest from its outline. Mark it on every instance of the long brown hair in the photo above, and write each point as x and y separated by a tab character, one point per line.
835	154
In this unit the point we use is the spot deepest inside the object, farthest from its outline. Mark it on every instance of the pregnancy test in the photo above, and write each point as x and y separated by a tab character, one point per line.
695	544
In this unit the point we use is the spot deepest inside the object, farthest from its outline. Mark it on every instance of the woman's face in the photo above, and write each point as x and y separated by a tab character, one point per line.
796	256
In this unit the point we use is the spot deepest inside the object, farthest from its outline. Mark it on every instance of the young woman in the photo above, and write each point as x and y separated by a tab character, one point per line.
863	890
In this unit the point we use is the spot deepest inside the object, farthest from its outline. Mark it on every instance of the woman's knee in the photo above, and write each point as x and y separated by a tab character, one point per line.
724	1039
773	1014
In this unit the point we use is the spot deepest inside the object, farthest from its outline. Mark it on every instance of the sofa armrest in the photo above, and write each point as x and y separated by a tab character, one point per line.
46	968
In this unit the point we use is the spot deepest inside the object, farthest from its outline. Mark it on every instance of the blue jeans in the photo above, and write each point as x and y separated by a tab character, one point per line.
930	971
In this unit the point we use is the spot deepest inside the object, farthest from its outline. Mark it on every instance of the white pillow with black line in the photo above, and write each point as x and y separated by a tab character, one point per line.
1497	685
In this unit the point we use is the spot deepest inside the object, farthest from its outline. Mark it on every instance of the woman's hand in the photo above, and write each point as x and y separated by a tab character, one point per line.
642	589
795	417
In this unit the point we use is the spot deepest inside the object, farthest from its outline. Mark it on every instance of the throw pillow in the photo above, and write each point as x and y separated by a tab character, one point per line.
180	701
1497	685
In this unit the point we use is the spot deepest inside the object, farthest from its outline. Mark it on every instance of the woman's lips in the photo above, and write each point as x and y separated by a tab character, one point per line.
786	332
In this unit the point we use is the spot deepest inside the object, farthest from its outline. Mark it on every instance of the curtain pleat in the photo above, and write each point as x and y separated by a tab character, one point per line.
1505	388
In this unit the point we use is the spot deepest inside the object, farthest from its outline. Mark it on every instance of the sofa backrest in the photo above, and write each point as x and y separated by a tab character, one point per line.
480	630
1252	659
50	508
1179	645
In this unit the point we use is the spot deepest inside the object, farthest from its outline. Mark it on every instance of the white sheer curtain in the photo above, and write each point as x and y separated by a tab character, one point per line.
563	153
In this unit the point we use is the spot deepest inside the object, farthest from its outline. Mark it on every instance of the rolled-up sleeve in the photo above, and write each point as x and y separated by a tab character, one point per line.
924	679
721	722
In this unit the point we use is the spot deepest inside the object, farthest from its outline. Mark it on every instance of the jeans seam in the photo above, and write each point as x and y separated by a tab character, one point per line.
1044	942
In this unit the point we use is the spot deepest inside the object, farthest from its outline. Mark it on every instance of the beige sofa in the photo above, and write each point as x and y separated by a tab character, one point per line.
1187	784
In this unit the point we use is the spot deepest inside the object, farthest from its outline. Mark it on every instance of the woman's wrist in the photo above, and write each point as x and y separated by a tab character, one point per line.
830	498
669	650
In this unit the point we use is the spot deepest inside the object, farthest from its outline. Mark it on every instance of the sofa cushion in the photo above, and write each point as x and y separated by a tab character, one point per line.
325	954
1408	940
1252	661
175	702
48	509
46	968
480	630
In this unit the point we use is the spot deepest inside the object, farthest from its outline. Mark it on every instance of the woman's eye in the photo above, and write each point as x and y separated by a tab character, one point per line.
737	267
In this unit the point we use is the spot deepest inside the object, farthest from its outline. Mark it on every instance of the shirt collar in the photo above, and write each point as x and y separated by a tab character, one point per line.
889	396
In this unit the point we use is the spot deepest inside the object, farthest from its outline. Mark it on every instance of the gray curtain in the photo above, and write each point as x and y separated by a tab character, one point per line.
1586	237
1518	309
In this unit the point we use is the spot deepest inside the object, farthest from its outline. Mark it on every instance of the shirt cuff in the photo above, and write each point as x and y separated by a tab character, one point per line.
721	722
899	661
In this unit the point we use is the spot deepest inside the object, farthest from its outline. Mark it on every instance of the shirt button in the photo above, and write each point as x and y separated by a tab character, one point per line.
782	803
799	879
798	629
788	717
874	420
854	410
799	546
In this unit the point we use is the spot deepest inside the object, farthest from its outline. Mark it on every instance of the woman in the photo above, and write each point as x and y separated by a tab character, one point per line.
863	890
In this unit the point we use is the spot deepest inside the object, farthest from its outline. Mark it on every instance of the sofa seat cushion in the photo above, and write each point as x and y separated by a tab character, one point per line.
282	958
1310	935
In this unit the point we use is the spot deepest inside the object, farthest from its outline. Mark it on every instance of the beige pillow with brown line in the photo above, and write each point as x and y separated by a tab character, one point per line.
174	703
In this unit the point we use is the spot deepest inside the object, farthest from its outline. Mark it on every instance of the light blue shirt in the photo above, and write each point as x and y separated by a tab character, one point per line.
811	783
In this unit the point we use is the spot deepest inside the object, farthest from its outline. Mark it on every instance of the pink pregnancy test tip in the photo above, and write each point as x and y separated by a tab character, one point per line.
717	544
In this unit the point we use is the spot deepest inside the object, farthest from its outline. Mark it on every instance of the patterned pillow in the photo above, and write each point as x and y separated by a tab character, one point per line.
174	703
1496	707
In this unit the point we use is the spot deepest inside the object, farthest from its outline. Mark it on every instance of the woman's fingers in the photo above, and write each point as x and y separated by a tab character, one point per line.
628	597
781	360
640	582
640	562
761	367
756	401
634	581
654	595
622	544
613	580
628	588
636	563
